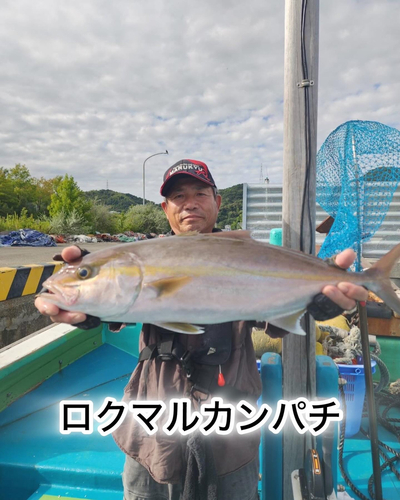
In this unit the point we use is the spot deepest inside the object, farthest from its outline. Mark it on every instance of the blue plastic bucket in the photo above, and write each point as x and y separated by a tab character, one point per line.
354	392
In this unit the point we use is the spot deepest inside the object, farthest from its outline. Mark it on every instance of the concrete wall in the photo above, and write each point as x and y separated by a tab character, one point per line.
18	287
19	318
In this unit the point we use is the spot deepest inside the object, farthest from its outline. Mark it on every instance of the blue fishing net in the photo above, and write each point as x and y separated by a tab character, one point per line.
358	170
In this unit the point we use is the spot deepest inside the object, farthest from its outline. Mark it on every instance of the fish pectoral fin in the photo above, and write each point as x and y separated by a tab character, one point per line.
290	323
181	328
167	286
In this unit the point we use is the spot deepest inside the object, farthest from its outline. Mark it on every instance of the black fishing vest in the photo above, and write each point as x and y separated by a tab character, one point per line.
203	365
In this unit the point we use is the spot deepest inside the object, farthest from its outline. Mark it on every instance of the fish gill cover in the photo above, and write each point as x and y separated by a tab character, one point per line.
358	171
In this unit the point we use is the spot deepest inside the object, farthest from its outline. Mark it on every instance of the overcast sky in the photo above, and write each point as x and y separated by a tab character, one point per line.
93	87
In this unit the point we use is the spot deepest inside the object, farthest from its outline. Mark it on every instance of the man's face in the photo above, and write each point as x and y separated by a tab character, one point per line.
191	206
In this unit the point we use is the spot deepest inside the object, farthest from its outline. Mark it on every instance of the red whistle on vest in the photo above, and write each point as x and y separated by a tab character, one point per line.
221	378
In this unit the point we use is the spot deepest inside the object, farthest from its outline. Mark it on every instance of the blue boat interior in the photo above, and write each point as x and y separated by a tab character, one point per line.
37	462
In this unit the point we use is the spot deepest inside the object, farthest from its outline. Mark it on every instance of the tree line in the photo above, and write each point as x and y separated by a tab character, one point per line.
59	206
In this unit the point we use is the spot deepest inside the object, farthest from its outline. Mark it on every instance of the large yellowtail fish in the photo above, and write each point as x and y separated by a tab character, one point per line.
181	281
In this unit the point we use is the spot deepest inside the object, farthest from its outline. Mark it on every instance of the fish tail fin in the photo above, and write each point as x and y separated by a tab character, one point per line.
378	278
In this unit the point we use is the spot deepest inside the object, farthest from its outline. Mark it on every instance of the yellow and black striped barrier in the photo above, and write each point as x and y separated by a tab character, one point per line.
25	280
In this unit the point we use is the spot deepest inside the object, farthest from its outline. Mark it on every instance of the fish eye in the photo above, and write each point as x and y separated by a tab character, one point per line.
84	272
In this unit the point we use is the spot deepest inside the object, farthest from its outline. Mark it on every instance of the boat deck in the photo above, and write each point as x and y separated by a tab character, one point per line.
37	462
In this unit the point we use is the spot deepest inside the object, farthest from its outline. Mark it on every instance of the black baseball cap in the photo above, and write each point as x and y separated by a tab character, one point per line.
194	168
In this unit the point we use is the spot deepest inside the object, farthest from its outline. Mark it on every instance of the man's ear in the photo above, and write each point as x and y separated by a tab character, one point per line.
218	199
164	206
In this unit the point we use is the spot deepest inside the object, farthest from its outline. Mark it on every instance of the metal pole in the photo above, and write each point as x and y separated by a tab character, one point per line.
299	171
144	179
360	206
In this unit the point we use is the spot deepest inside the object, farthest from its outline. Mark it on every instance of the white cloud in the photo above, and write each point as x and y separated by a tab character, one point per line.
93	88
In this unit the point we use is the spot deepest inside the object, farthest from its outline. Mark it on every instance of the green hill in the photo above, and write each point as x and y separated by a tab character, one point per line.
229	214
120	202
231	208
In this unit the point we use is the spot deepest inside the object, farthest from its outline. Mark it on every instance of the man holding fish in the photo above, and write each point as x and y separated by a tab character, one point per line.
196	283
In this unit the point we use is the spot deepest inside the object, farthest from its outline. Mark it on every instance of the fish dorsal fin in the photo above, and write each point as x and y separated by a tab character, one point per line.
290	323
167	286
181	328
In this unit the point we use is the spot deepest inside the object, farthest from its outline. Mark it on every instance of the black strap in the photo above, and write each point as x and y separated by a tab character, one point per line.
89	323
147	352
150	353
168	350
323	308
165	348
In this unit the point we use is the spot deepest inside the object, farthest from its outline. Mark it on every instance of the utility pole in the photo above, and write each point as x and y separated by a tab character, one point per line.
299	170
144	172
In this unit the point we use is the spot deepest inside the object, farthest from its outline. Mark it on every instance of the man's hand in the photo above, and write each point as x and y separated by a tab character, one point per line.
69	254
345	294
335	299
